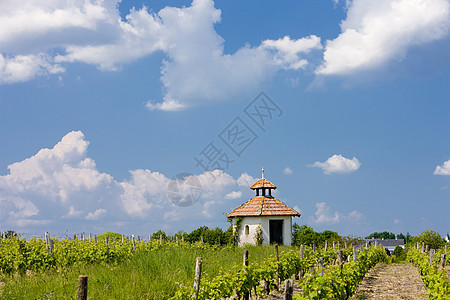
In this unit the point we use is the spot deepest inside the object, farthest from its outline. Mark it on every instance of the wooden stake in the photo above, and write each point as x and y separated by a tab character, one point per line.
443	260
340	257
245	262
431	256
314	246
288	289
321	266
160	239
82	287
334	246
326	246
276	252
51	246
246	295
198	274
354	253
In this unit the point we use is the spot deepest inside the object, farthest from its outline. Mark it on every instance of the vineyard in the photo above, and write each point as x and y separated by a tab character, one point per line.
130	268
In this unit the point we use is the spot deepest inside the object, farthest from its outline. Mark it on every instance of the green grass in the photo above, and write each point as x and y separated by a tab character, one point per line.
147	275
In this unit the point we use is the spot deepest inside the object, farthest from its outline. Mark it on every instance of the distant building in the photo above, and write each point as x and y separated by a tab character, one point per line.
265	213
389	244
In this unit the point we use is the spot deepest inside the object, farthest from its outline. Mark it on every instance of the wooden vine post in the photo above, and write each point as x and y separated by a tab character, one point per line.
198	274
288	289
443	256
326	246
321	266
246	295
340	258
354	253
51	247
300	274
82	287
431	256
277	278
245	260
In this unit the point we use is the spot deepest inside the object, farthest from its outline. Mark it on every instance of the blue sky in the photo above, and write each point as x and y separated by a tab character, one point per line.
102	103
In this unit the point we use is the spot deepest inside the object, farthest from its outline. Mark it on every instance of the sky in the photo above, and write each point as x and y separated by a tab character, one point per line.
135	116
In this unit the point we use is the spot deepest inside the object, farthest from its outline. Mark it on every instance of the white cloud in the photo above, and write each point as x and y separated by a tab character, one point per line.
25	67
298	209
396	221
167	105
376	32
288	171
287	50
246	180
325	215
444	169
233	195
338	164
97	214
196	69
61	186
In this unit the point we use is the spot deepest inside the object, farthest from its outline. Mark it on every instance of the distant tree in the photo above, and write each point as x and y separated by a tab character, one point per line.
381	235
400	236
194	236
328	235
214	236
304	235
408	238
180	234
228	236
430	238
157	235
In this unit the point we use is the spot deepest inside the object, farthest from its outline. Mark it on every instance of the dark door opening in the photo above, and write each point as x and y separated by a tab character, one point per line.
276	231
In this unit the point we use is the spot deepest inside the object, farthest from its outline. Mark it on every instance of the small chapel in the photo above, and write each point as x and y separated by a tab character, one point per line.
263	217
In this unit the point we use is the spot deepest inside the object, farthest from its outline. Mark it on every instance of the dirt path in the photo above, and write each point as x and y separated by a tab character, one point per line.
395	281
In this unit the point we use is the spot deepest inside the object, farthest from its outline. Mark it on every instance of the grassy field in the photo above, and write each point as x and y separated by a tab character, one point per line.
147	275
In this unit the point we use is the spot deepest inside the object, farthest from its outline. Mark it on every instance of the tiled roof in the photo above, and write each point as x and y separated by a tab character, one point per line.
386	243
263	183
263	206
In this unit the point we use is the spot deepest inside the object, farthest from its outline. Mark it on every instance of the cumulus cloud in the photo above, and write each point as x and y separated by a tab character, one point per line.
338	164
325	215
444	169
246	180
233	195
376	32
287	50
93	32
288	171
97	214
61	186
